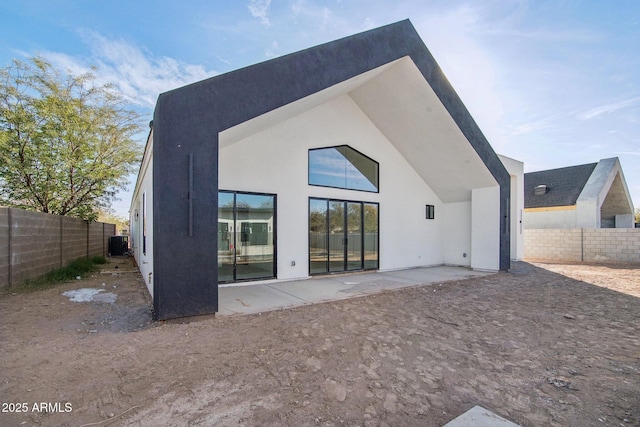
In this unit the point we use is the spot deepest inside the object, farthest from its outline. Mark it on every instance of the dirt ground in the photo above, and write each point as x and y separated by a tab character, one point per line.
543	345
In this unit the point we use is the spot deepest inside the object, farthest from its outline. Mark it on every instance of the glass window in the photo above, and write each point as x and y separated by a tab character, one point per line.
246	236
371	236
343	236
318	236
343	167
430	212
144	223
226	237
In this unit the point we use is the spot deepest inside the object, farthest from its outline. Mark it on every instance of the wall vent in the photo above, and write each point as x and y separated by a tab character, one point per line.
541	189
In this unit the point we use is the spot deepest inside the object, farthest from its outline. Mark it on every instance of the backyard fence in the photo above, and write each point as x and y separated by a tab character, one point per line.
34	243
598	245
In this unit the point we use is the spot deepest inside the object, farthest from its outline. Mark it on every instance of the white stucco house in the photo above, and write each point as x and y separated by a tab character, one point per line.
349	156
593	195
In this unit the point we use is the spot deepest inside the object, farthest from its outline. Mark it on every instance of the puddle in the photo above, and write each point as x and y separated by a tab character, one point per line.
89	294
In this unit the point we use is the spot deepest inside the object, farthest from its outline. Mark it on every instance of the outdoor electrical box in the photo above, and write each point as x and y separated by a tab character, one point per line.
118	245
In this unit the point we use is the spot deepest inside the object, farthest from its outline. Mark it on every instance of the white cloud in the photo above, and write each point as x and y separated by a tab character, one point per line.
540	123
272	51
260	9
135	73
547	35
368	24
608	108
628	153
320	18
452	37
298	7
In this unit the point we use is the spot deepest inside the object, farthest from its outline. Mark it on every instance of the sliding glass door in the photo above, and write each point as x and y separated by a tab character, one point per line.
353	243
343	236
336	236
246	236
371	238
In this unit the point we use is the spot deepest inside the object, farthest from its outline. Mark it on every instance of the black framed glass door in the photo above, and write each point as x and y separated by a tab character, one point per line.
246	236
336	237
343	236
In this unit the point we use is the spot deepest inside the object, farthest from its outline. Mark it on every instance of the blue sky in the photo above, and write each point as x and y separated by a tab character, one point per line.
551	83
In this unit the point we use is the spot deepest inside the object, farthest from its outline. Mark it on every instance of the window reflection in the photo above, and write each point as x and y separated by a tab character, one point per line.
342	167
343	236
246	226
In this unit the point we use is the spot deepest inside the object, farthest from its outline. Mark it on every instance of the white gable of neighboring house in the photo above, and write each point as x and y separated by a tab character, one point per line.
603	202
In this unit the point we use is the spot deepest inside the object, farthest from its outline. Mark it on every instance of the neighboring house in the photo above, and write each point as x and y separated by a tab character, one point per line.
349	156
594	195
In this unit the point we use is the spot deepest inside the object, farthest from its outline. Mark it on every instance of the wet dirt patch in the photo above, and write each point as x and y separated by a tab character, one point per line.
89	295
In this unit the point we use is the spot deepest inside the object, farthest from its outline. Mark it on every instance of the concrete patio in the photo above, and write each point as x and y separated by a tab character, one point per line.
258	297
252	297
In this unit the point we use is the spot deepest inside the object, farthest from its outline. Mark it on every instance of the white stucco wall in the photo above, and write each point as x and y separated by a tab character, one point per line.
624	221
485	220
456	244
551	218
143	186
516	172
275	160
587	214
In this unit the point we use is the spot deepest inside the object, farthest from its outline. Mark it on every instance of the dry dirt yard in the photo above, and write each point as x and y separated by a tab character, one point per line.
543	345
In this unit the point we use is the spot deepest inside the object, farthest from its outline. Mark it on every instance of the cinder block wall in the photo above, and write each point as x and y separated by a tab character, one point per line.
74	239
4	247
612	244
34	243
620	245
99	234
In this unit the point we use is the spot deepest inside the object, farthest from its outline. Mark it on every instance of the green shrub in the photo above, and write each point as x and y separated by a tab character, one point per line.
79	267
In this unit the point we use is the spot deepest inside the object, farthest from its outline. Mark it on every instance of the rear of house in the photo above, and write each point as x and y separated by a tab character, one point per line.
354	155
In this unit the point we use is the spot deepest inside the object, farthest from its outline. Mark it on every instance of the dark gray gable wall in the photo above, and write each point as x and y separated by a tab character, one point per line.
187	122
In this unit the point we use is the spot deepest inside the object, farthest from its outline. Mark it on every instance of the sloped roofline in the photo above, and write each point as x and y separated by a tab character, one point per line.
572	184
188	122
564	185
277	82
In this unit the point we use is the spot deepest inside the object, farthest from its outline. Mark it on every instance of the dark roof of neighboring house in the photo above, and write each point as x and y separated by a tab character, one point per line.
564	186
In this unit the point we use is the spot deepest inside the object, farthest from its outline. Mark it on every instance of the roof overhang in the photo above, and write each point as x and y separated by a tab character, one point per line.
404	107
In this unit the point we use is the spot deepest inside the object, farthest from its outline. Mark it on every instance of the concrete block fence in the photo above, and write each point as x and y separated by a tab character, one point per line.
34	243
598	245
